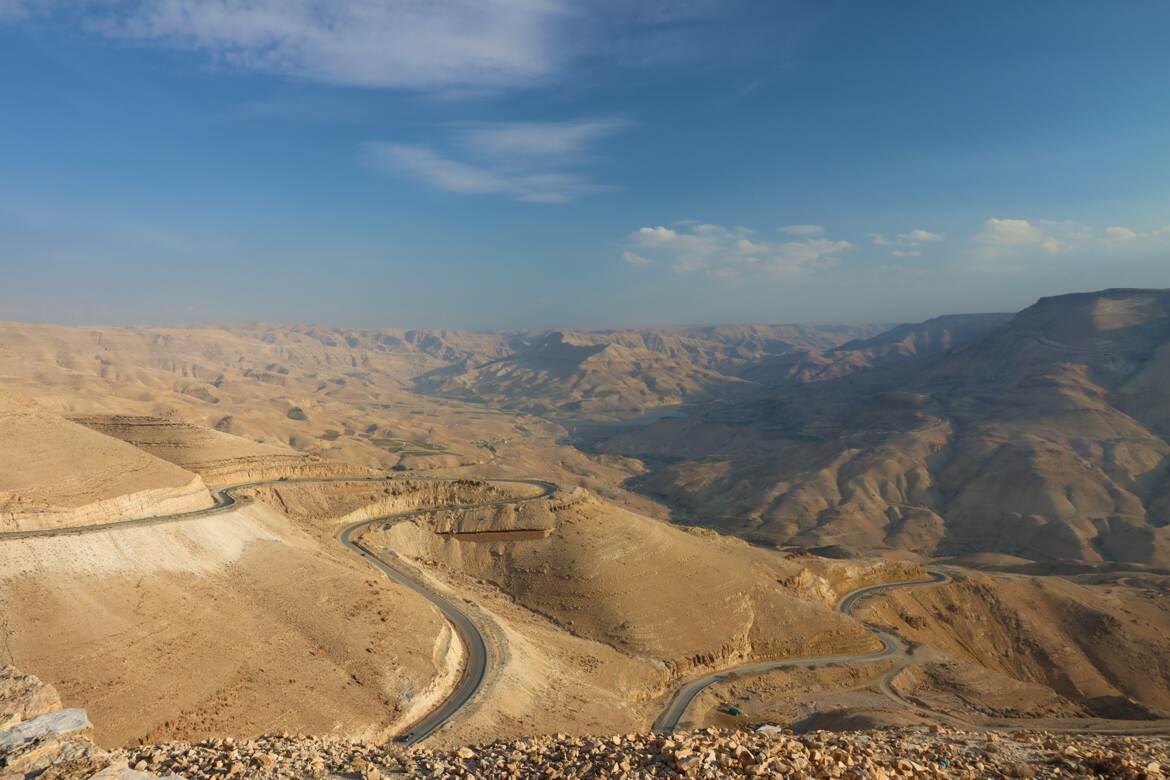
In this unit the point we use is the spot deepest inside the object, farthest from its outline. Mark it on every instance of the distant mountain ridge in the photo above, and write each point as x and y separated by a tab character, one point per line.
1048	437
624	372
934	335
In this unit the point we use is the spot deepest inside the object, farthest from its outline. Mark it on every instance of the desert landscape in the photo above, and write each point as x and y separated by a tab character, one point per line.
956	523
584	389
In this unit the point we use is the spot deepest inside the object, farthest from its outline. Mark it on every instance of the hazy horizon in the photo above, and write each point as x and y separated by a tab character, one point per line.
533	165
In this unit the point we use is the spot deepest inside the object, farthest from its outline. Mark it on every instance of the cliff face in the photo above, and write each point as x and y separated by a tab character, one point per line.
19	515
55	473
219	458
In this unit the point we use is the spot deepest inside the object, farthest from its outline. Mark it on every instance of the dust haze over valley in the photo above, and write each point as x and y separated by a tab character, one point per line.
572	389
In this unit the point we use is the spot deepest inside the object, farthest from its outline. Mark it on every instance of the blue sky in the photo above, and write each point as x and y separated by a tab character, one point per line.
547	163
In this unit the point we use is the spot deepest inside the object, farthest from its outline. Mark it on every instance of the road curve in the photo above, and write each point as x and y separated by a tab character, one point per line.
475	668
677	707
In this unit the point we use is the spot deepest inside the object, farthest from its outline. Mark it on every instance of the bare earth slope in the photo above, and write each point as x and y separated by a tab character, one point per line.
645	587
594	613
236	623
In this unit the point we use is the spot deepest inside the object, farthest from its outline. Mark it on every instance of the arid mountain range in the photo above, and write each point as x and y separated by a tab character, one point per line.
1040	435
578	495
1044	438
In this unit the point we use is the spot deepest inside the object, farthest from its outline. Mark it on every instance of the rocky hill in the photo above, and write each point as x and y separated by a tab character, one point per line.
1045	439
940	334
899	344
622	373
566	375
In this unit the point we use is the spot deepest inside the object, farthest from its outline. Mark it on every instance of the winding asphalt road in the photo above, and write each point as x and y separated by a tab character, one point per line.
475	668
670	717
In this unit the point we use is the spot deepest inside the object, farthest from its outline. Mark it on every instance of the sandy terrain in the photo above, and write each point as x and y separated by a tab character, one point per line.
237	623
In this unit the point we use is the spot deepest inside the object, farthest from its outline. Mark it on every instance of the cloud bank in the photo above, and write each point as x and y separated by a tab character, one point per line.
728	253
907	244
997	245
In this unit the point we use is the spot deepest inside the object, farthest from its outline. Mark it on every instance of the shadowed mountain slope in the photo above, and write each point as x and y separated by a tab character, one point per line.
1046	438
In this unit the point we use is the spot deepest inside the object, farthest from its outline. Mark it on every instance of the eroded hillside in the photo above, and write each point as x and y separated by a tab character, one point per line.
56	473
1045	439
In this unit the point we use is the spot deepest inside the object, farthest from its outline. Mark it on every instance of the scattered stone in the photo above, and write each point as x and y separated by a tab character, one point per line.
912	752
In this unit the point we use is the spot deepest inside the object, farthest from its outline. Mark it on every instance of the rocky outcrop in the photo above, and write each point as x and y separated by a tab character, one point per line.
23	697
38	739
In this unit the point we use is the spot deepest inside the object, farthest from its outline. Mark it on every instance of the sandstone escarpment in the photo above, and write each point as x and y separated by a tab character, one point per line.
219	458
21	514
55	473
347	501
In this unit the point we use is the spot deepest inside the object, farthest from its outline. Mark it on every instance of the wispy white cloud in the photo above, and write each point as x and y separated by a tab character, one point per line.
423	163
453	45
729	252
907	244
564	141
538	162
1007	234
635	259
426	165
1123	234
921	236
528	161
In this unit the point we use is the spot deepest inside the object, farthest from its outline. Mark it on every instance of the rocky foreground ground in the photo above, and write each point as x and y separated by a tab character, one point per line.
711	753
41	741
